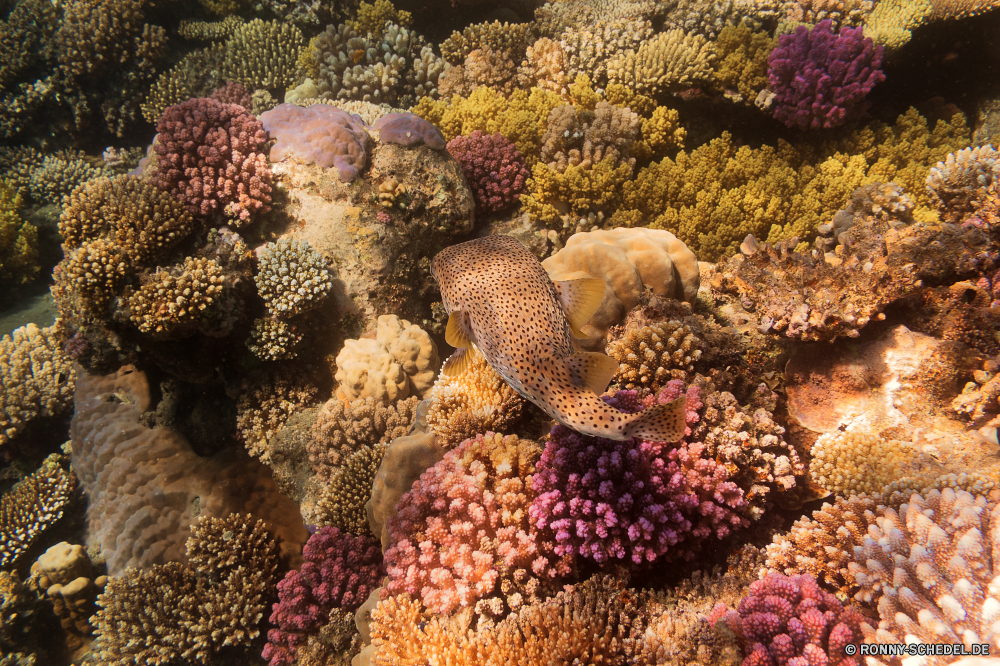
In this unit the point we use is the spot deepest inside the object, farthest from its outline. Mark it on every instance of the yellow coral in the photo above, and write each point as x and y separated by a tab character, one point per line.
858	462
620	95
521	118
563	201
18	241
661	133
742	63
892	21
373	17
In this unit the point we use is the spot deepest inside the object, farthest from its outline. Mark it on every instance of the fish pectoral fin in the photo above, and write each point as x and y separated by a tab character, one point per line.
580	300
591	370
459	331
458	362
660	423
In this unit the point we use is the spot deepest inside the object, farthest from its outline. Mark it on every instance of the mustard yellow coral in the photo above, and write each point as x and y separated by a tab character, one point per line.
742	63
373	17
566	201
18	241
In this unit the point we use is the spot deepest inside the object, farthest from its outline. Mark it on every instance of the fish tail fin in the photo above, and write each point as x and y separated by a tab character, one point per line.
660	423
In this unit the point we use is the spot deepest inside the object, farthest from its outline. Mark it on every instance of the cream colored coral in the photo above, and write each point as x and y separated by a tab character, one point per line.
669	61
65	575
545	67
399	361
472	403
858	462
651	356
629	261
36	378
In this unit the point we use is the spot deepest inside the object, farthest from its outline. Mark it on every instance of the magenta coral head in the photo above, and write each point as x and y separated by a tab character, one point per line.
633	500
339	570
493	167
820	79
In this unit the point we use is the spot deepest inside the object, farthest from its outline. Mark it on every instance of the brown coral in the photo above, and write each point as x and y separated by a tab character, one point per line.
29	508
341	502
265	407
652	355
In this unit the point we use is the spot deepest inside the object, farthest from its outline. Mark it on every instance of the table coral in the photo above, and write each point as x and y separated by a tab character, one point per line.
320	134
633	501
29	508
474	402
36	378
338	571
930	567
493	167
820	78
891	22
461	537
791	620
191	611
209	156
292	277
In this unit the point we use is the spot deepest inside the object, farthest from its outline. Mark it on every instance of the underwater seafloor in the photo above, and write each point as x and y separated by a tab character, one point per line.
225	433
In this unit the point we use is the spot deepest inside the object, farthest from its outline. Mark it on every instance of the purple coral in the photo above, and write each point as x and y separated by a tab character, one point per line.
821	78
790	621
494	168
339	570
320	134
633	500
407	129
210	156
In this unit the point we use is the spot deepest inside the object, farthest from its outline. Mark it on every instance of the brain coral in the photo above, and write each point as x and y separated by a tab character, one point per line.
398	360
629	261
820	78
461	537
633	501
320	134
209	155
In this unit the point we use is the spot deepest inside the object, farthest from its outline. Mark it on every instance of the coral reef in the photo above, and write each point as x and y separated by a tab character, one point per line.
36	378
821	78
491	563
266	405
857	462
191	611
651	356
263	54
399	359
667	62
632	501
341	501
209	156
29	508
474	402
338	571
320	134
18	241
408	130
791	620
292	277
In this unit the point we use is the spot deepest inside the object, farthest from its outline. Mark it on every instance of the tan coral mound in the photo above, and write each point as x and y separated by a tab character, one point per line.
629	261
472	403
399	359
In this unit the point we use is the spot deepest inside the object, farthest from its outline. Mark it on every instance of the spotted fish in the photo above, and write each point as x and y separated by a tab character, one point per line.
502	303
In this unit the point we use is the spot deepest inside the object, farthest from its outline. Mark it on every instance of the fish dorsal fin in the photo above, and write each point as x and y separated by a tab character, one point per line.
580	300
459	331
458	362
591	370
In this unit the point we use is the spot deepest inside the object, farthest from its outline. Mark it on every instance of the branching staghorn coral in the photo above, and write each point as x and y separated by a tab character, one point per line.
587	49
18	241
31	506
263	54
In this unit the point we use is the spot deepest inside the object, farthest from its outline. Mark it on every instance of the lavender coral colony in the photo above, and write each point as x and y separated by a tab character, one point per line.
646	333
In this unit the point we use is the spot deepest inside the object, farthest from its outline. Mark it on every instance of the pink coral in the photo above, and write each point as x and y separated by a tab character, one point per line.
633	500
461	535
494	168
790	620
233	93
339	570
210	156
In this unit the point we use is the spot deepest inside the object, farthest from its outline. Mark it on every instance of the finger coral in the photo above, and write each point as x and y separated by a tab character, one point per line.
791	620
210	156
474	402
338	571
957	184
36	378
633	501
191	611
494	168
461	537
18	241
263	54
667	62
820	78
292	277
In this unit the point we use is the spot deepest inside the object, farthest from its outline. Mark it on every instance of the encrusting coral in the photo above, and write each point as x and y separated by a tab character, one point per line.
191	611
36	378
